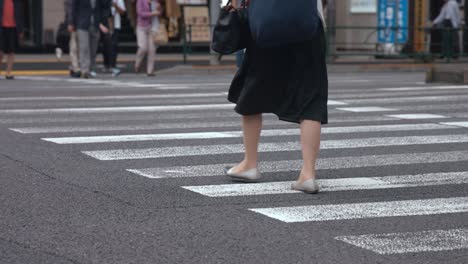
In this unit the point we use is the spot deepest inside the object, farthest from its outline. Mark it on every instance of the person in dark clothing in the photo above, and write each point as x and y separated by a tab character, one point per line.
90	17
449	19
105	38
11	31
290	81
118	9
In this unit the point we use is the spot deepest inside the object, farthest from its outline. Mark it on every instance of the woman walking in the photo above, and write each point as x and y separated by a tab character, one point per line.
291	82
147	12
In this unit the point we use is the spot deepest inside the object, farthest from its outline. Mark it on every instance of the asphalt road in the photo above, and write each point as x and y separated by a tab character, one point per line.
129	170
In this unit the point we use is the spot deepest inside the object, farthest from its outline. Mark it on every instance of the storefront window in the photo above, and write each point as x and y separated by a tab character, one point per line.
32	15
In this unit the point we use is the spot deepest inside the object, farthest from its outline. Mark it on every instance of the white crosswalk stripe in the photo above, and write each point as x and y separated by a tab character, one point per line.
234	134
166	152
417	116
367	109
324	164
410	242
333	212
333	185
152	118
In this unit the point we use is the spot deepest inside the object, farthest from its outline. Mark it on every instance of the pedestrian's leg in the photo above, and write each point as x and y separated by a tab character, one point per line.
252	127
73	46
142	47
114	48
104	40
93	44
151	54
10	62
310	140
84	51
456	43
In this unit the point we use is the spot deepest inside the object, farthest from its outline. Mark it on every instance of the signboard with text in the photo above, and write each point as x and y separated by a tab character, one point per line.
393	19
363	6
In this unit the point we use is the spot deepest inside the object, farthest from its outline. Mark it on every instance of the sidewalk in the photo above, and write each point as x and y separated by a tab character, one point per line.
48	64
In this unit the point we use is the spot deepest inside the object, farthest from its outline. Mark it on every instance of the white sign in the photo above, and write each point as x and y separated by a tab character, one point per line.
192	2
363	6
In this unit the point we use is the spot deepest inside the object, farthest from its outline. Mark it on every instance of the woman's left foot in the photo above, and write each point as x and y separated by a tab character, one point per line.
249	176
10	77
310	186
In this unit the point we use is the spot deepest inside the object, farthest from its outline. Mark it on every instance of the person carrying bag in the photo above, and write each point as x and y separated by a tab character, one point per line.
158	29
284	73
147	10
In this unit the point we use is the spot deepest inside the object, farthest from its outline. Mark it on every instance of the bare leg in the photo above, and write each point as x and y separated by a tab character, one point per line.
10	62
310	140
252	127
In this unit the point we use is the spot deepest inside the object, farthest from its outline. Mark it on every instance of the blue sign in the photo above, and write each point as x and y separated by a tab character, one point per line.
393	15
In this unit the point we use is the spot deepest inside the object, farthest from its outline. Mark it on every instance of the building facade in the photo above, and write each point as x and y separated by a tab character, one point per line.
355	21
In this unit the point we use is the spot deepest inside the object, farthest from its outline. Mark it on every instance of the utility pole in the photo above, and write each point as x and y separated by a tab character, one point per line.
215	8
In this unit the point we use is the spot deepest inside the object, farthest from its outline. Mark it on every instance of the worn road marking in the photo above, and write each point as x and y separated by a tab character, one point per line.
366	109
334	185
331	212
120	109
223	134
410	242
166	152
417	116
458	124
425	88
295	165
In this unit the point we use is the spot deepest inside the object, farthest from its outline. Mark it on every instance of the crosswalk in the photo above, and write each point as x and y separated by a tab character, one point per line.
370	128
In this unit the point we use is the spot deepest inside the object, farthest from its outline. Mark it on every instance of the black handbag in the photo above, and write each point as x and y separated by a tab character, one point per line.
231	32
63	37
280	22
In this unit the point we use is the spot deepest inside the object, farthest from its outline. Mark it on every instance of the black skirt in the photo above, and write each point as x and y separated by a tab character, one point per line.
290	81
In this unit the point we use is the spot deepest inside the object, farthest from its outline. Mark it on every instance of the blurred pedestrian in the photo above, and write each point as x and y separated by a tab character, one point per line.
89	18
11	32
131	13
73	43
118	9
290	81
449	19
106	38
147	13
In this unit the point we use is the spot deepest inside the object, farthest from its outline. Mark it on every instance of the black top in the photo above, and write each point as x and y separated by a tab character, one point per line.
82	13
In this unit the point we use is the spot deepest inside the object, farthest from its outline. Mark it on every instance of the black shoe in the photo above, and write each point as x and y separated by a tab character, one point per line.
10	77
85	75
74	74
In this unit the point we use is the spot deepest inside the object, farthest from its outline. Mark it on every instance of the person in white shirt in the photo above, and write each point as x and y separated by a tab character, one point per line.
118	9
449	18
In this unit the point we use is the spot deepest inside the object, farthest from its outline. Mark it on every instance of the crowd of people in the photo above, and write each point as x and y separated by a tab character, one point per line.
93	22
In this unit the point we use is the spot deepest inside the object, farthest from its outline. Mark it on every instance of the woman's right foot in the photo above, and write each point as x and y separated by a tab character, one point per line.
243	172
309	186
249	176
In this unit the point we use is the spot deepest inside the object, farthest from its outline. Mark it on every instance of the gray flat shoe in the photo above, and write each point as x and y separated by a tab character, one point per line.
310	186
250	176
